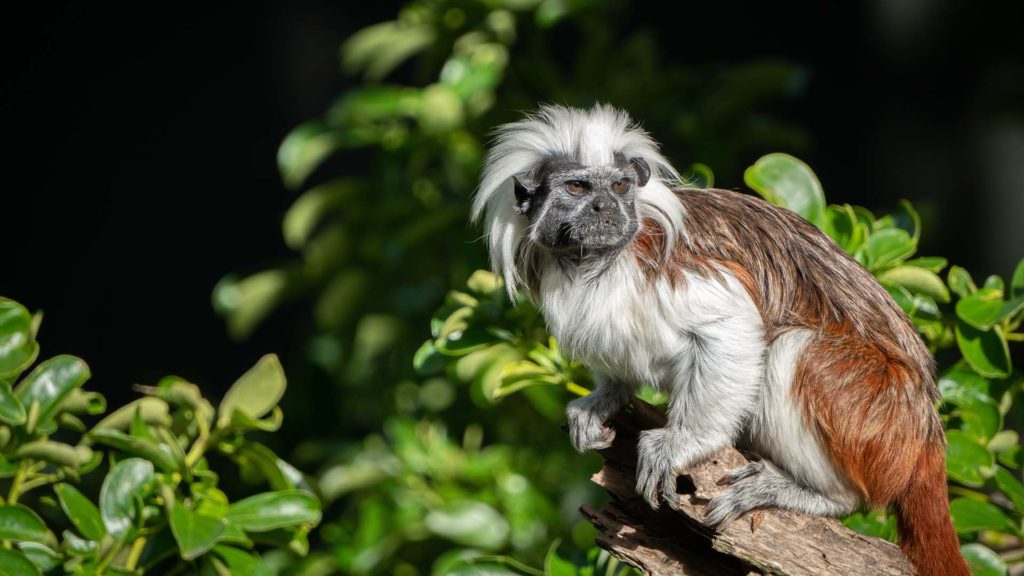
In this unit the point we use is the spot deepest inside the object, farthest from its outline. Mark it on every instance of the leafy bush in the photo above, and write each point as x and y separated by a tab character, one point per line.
156	504
480	337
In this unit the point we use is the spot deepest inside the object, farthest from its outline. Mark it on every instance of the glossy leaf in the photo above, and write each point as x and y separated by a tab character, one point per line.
469	523
980	309
56	453
194	533
43	557
19	523
11	409
81	511
50	383
967	461
786	181
986	351
960	282
124	485
973	515
242	562
153	411
157	453
982	560
1017	281
933	263
256	392
272	510
1010	486
18	347
14	563
918	281
888	246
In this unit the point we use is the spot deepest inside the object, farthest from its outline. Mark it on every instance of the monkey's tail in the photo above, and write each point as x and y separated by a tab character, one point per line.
926	531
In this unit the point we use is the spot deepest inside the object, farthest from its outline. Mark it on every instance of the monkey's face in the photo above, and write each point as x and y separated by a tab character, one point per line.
575	208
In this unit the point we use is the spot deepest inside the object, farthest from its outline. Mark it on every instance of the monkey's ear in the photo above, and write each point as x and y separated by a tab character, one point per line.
643	171
524	197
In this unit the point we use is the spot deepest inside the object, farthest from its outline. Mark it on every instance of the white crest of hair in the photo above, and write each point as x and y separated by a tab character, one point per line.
590	136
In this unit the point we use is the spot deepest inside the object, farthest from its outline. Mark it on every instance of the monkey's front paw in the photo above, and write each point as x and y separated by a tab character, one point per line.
586	427
654	470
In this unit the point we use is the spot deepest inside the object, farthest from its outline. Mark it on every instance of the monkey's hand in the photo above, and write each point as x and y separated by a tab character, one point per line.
656	467
587	417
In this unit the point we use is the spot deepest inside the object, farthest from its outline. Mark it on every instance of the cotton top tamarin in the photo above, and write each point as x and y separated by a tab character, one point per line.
756	323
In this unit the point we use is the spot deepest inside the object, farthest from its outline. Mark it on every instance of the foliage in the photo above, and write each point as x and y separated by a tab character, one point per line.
156	504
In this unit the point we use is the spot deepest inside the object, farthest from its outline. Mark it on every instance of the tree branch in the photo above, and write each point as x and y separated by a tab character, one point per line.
677	542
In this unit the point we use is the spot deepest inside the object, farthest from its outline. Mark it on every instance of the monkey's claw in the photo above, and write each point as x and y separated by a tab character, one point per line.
655	471
734	476
746	492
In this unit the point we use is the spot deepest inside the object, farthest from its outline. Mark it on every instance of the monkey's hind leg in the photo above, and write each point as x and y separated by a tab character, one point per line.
762	485
587	416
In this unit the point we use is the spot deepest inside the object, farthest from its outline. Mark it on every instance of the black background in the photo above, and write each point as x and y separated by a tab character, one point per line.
139	158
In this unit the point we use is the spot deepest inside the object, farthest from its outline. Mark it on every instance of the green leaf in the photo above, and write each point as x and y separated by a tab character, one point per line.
485	284
427	360
162	456
986	351
18	347
908	219
153	411
257	392
967	461
918	281
470	523
1009	485
1017	281
960	282
844	227
246	302
81	511
195	534
21	524
16	564
980	309
50	383
43	557
933	263
888	246
785	181
242	562
56	453
125	484
11	409
271	510
555	565
982	560
303	150
969	392
973	515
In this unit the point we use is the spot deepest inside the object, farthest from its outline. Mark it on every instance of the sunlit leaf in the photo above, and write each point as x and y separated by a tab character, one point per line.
123	486
986	351
966	459
960	281
194	533
973	515
18	347
918	281
982	560
11	409
256	392
272	510
21	524
50	383
81	511
888	246
786	181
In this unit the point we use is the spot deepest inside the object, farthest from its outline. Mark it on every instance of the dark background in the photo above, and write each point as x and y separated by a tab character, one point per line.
139	164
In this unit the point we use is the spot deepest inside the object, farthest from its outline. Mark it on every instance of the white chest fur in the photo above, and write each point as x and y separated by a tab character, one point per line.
642	331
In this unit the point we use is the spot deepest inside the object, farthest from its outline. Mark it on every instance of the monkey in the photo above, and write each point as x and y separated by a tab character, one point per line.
757	325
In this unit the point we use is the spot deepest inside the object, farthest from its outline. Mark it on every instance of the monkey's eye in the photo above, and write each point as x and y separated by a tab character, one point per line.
576	186
620	186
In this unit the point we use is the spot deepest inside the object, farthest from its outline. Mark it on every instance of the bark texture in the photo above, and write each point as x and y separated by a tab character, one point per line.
676	542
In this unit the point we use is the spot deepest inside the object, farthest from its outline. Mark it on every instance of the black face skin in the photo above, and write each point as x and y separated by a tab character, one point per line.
576	209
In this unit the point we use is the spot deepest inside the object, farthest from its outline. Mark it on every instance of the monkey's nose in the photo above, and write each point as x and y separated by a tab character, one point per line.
599	205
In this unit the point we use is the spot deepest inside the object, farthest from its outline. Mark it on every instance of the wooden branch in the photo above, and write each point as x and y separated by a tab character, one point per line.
676	541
